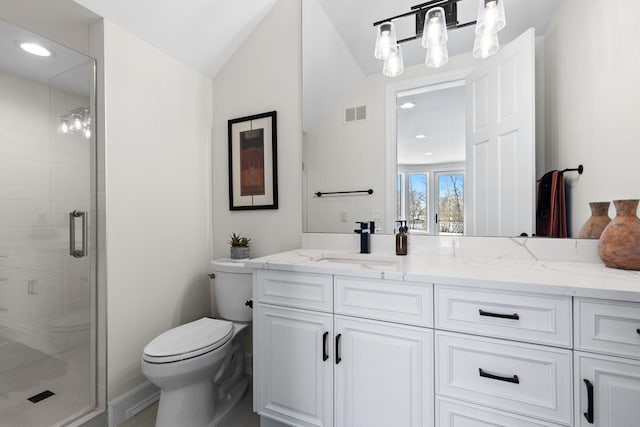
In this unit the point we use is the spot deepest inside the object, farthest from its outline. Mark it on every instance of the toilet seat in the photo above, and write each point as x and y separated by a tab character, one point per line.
188	341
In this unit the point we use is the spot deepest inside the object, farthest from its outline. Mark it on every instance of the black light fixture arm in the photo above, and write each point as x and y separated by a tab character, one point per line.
416	9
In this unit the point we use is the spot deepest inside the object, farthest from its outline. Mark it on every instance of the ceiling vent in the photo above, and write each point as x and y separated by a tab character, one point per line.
355	114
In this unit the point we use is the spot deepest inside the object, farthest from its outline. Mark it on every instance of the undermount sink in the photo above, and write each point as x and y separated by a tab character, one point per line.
358	260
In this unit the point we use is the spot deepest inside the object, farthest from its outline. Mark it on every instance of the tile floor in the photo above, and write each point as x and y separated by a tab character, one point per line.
65	374
241	416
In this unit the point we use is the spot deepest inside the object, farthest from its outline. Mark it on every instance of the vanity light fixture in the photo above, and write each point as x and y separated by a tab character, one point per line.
407	105
35	49
77	120
434	19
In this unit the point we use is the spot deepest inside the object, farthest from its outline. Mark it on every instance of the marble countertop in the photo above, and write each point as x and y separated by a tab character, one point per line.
561	278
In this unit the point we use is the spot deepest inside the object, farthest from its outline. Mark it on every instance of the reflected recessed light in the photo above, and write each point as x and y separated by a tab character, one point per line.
407	105
35	49
428	154
421	136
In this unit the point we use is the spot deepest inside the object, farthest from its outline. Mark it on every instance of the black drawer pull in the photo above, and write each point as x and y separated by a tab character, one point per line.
514	379
513	316
325	350
589	414
338	358
638	331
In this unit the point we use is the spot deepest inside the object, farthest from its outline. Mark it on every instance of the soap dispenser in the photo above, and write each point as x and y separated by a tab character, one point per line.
401	238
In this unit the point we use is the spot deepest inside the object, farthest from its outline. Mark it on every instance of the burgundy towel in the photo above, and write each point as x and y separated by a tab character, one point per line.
551	211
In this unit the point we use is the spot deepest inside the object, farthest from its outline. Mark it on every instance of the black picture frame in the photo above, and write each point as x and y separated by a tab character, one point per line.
253	165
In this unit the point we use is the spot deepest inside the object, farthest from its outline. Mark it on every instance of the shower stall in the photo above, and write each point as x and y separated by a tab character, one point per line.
48	238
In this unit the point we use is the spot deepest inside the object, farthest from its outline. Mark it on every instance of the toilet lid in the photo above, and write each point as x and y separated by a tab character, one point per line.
188	340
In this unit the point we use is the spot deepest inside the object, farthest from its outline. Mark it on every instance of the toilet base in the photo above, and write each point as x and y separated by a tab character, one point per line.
225	404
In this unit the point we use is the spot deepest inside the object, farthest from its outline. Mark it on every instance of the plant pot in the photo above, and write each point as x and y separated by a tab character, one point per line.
595	225
619	245
239	252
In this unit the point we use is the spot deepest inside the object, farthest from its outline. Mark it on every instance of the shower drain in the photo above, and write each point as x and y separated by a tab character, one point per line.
41	396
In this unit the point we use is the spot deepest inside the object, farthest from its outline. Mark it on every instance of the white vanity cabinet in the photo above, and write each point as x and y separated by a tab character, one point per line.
349	369
607	385
350	351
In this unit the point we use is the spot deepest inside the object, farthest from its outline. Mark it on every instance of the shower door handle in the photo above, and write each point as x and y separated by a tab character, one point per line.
72	234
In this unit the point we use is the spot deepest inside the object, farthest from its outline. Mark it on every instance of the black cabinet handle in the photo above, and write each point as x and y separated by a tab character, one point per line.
325	349
338	358
589	414
514	379
513	316
638	331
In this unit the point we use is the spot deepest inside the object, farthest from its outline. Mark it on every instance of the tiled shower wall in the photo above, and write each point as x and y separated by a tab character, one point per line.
43	176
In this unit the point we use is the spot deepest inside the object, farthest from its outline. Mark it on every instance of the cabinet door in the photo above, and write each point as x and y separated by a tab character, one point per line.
607	391
293	379
383	374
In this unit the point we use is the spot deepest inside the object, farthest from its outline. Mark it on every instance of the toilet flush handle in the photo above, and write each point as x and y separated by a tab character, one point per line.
249	303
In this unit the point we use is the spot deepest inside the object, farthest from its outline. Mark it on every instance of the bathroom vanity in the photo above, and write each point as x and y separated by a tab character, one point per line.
351	340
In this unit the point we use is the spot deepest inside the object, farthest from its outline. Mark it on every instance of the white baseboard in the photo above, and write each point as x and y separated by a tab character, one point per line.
132	403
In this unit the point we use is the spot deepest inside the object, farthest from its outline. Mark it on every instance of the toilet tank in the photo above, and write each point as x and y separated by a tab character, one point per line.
231	288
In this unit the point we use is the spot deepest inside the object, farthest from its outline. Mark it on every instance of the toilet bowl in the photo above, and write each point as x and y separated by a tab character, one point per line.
200	366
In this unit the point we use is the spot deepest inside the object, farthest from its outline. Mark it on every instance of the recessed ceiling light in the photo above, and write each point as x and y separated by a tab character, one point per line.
407	105
35	49
428	154
421	136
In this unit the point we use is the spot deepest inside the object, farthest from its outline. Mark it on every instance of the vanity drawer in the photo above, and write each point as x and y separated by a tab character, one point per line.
544	319
527	379
399	302
299	290
451	413
608	327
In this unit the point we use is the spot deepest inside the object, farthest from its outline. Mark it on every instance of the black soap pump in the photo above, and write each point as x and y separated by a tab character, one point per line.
401	238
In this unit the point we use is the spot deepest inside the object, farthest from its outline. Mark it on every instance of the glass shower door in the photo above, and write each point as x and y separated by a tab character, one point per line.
47	268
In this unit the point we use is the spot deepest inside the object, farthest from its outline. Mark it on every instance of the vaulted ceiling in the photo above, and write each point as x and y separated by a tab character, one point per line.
201	33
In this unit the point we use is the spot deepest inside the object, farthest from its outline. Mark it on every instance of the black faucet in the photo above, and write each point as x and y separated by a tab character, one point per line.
365	230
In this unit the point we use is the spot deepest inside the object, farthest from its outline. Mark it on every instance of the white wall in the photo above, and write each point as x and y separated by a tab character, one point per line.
263	75
593	64
158	127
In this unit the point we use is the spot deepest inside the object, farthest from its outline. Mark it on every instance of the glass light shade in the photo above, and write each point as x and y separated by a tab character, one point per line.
486	45
435	28
394	65
385	40
76	122
64	126
491	18
437	56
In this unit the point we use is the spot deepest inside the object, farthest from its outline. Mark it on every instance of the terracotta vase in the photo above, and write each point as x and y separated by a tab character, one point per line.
595	225
619	245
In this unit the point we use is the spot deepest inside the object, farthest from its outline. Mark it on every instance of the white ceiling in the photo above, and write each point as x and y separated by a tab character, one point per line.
438	115
201	33
354	21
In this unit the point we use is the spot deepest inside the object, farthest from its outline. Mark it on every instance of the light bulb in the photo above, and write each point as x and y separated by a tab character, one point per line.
77	122
435	28
64	126
385	40
437	56
394	65
87	133
486	45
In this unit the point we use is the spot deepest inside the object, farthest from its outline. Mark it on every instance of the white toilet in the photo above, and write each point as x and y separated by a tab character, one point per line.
199	367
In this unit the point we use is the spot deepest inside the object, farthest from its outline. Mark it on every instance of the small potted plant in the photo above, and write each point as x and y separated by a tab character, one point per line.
239	246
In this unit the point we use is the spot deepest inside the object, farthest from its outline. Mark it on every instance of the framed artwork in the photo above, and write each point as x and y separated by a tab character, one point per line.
253	172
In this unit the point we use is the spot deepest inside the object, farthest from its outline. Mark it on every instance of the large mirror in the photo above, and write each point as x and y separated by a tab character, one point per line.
563	87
